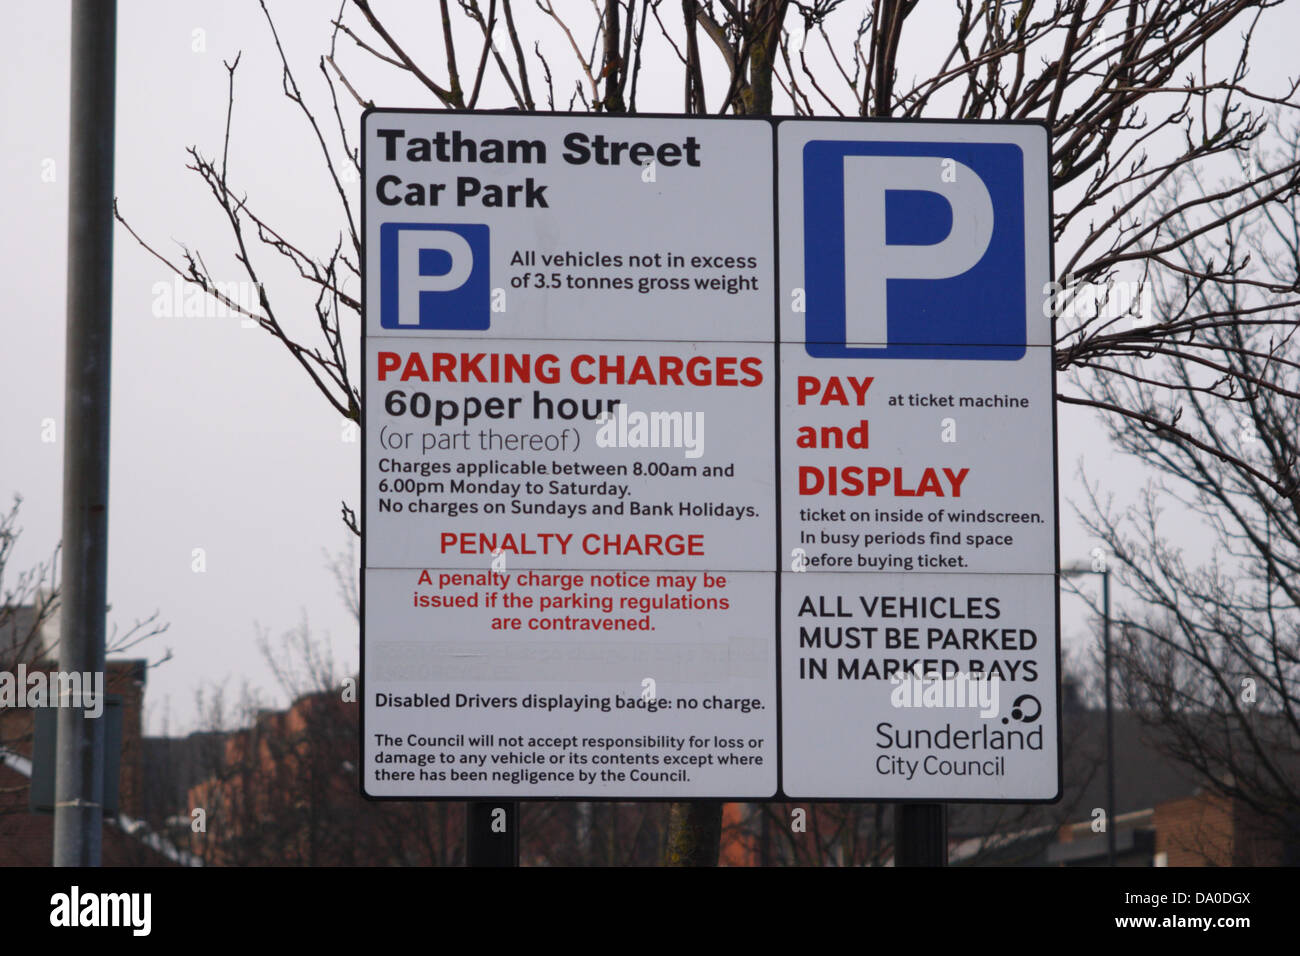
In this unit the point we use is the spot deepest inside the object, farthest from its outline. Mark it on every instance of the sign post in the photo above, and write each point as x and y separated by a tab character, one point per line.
920	834
491	834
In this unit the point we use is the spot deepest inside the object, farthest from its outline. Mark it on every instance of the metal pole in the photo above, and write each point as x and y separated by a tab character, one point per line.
1110	721
920	834
492	834
79	761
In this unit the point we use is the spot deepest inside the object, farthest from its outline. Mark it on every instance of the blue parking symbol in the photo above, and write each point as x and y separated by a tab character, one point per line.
434	276
914	250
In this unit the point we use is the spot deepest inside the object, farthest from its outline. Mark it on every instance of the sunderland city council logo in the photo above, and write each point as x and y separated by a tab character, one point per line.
914	250
434	276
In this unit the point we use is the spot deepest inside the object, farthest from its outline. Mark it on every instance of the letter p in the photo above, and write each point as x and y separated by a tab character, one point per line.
434	276
434	260
870	260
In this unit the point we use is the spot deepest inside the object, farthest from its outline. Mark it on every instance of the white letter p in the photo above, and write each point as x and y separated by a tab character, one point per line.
869	262
410	243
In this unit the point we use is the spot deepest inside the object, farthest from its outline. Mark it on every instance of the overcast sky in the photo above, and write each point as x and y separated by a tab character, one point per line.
219	442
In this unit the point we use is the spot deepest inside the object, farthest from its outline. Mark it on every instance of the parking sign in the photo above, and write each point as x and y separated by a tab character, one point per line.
670	492
434	276
914	250
918	632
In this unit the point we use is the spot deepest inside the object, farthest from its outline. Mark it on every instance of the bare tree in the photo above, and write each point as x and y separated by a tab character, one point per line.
1126	89
281	787
28	599
29	607
1211	661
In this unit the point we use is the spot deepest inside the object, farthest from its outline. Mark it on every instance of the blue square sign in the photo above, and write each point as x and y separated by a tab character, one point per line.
434	276
914	250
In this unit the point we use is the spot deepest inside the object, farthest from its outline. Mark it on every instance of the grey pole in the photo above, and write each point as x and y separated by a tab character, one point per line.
79	761
1110	720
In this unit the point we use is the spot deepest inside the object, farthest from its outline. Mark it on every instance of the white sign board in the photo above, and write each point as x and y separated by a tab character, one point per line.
616	467
918	473
570	483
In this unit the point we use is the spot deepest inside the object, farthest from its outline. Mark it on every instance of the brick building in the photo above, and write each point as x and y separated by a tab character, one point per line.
27	838
285	791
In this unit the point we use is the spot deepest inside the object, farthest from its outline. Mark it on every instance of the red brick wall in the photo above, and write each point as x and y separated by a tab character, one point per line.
1196	831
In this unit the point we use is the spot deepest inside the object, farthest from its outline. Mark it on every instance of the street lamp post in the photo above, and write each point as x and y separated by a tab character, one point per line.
79	739
1104	571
